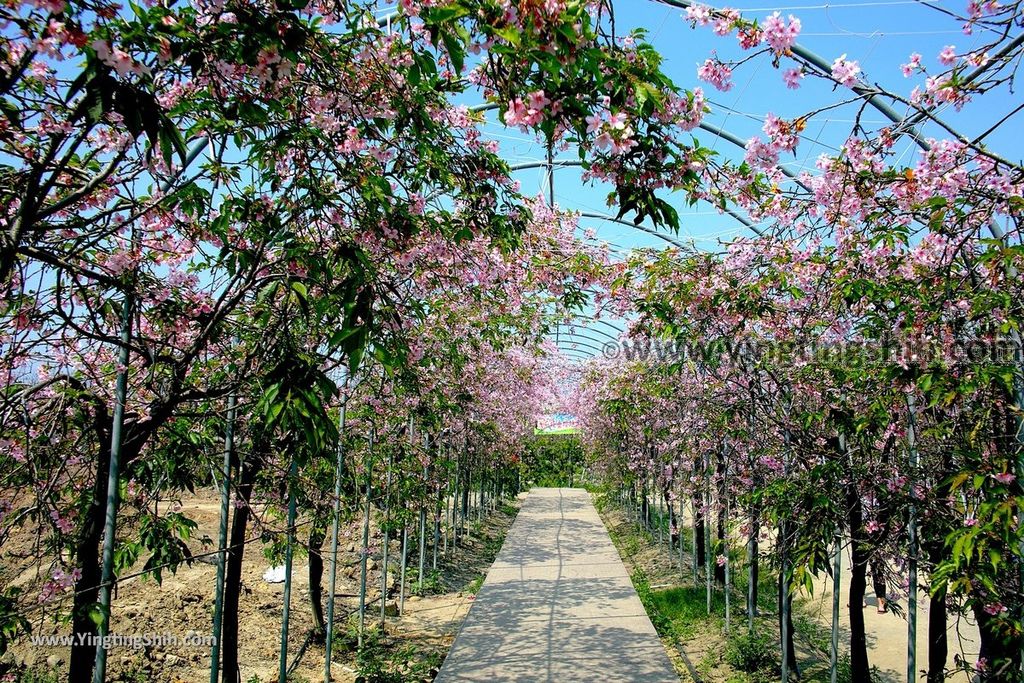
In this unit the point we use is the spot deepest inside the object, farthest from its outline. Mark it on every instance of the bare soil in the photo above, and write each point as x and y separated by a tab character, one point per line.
411	646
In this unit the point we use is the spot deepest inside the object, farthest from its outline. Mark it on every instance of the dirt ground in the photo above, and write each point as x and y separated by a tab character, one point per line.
411	646
887	633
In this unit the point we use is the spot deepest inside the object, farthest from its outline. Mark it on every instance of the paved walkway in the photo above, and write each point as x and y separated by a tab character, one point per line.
557	605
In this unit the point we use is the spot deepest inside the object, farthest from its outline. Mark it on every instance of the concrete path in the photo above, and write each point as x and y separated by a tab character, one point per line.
557	605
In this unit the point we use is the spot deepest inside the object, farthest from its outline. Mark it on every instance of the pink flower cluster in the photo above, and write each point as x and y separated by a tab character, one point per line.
781	133
62	580
779	35
117	59
613	134
686	112
529	113
845	71
912	65
716	73
792	78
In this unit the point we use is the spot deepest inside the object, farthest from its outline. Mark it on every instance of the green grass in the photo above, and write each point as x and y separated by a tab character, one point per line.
473	587
685	607
37	676
383	659
753	653
432	584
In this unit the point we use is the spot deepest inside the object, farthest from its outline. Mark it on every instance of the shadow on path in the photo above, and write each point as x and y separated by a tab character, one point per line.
557	605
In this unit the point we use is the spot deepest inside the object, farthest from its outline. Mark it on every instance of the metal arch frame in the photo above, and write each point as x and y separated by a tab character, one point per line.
907	125
714	130
618	330
574	335
608	217
585	354
746	222
608	324
579	360
589	329
573	341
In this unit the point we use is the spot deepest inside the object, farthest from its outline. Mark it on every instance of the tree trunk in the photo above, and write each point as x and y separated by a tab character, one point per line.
317	534
673	521
698	523
645	511
754	570
720	530
860	671
794	667
1000	652
938	649
233	571
87	552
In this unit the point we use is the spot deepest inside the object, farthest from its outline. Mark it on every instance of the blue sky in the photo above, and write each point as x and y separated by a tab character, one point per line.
879	34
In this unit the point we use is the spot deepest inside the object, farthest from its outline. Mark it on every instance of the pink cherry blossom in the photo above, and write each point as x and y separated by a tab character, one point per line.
845	71
716	73
792	78
699	15
537	100
517	114
617	121
948	55
913	64
779	35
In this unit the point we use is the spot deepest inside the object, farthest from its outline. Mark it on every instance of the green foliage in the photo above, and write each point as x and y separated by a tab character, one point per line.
382	660
432	584
552	460
12	624
473	587
38	675
294	400
753	653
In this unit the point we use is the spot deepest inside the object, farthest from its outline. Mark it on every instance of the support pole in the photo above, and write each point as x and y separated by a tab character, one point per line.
222	541
751	580
423	539
755	528
725	553
679	531
708	569
551	175
282	663
693	557
837	568
99	673
335	523
365	550
405	552
386	534
661	517
912	545
784	611
784	575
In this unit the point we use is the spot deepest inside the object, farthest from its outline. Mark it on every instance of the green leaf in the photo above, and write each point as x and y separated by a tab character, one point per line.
509	34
